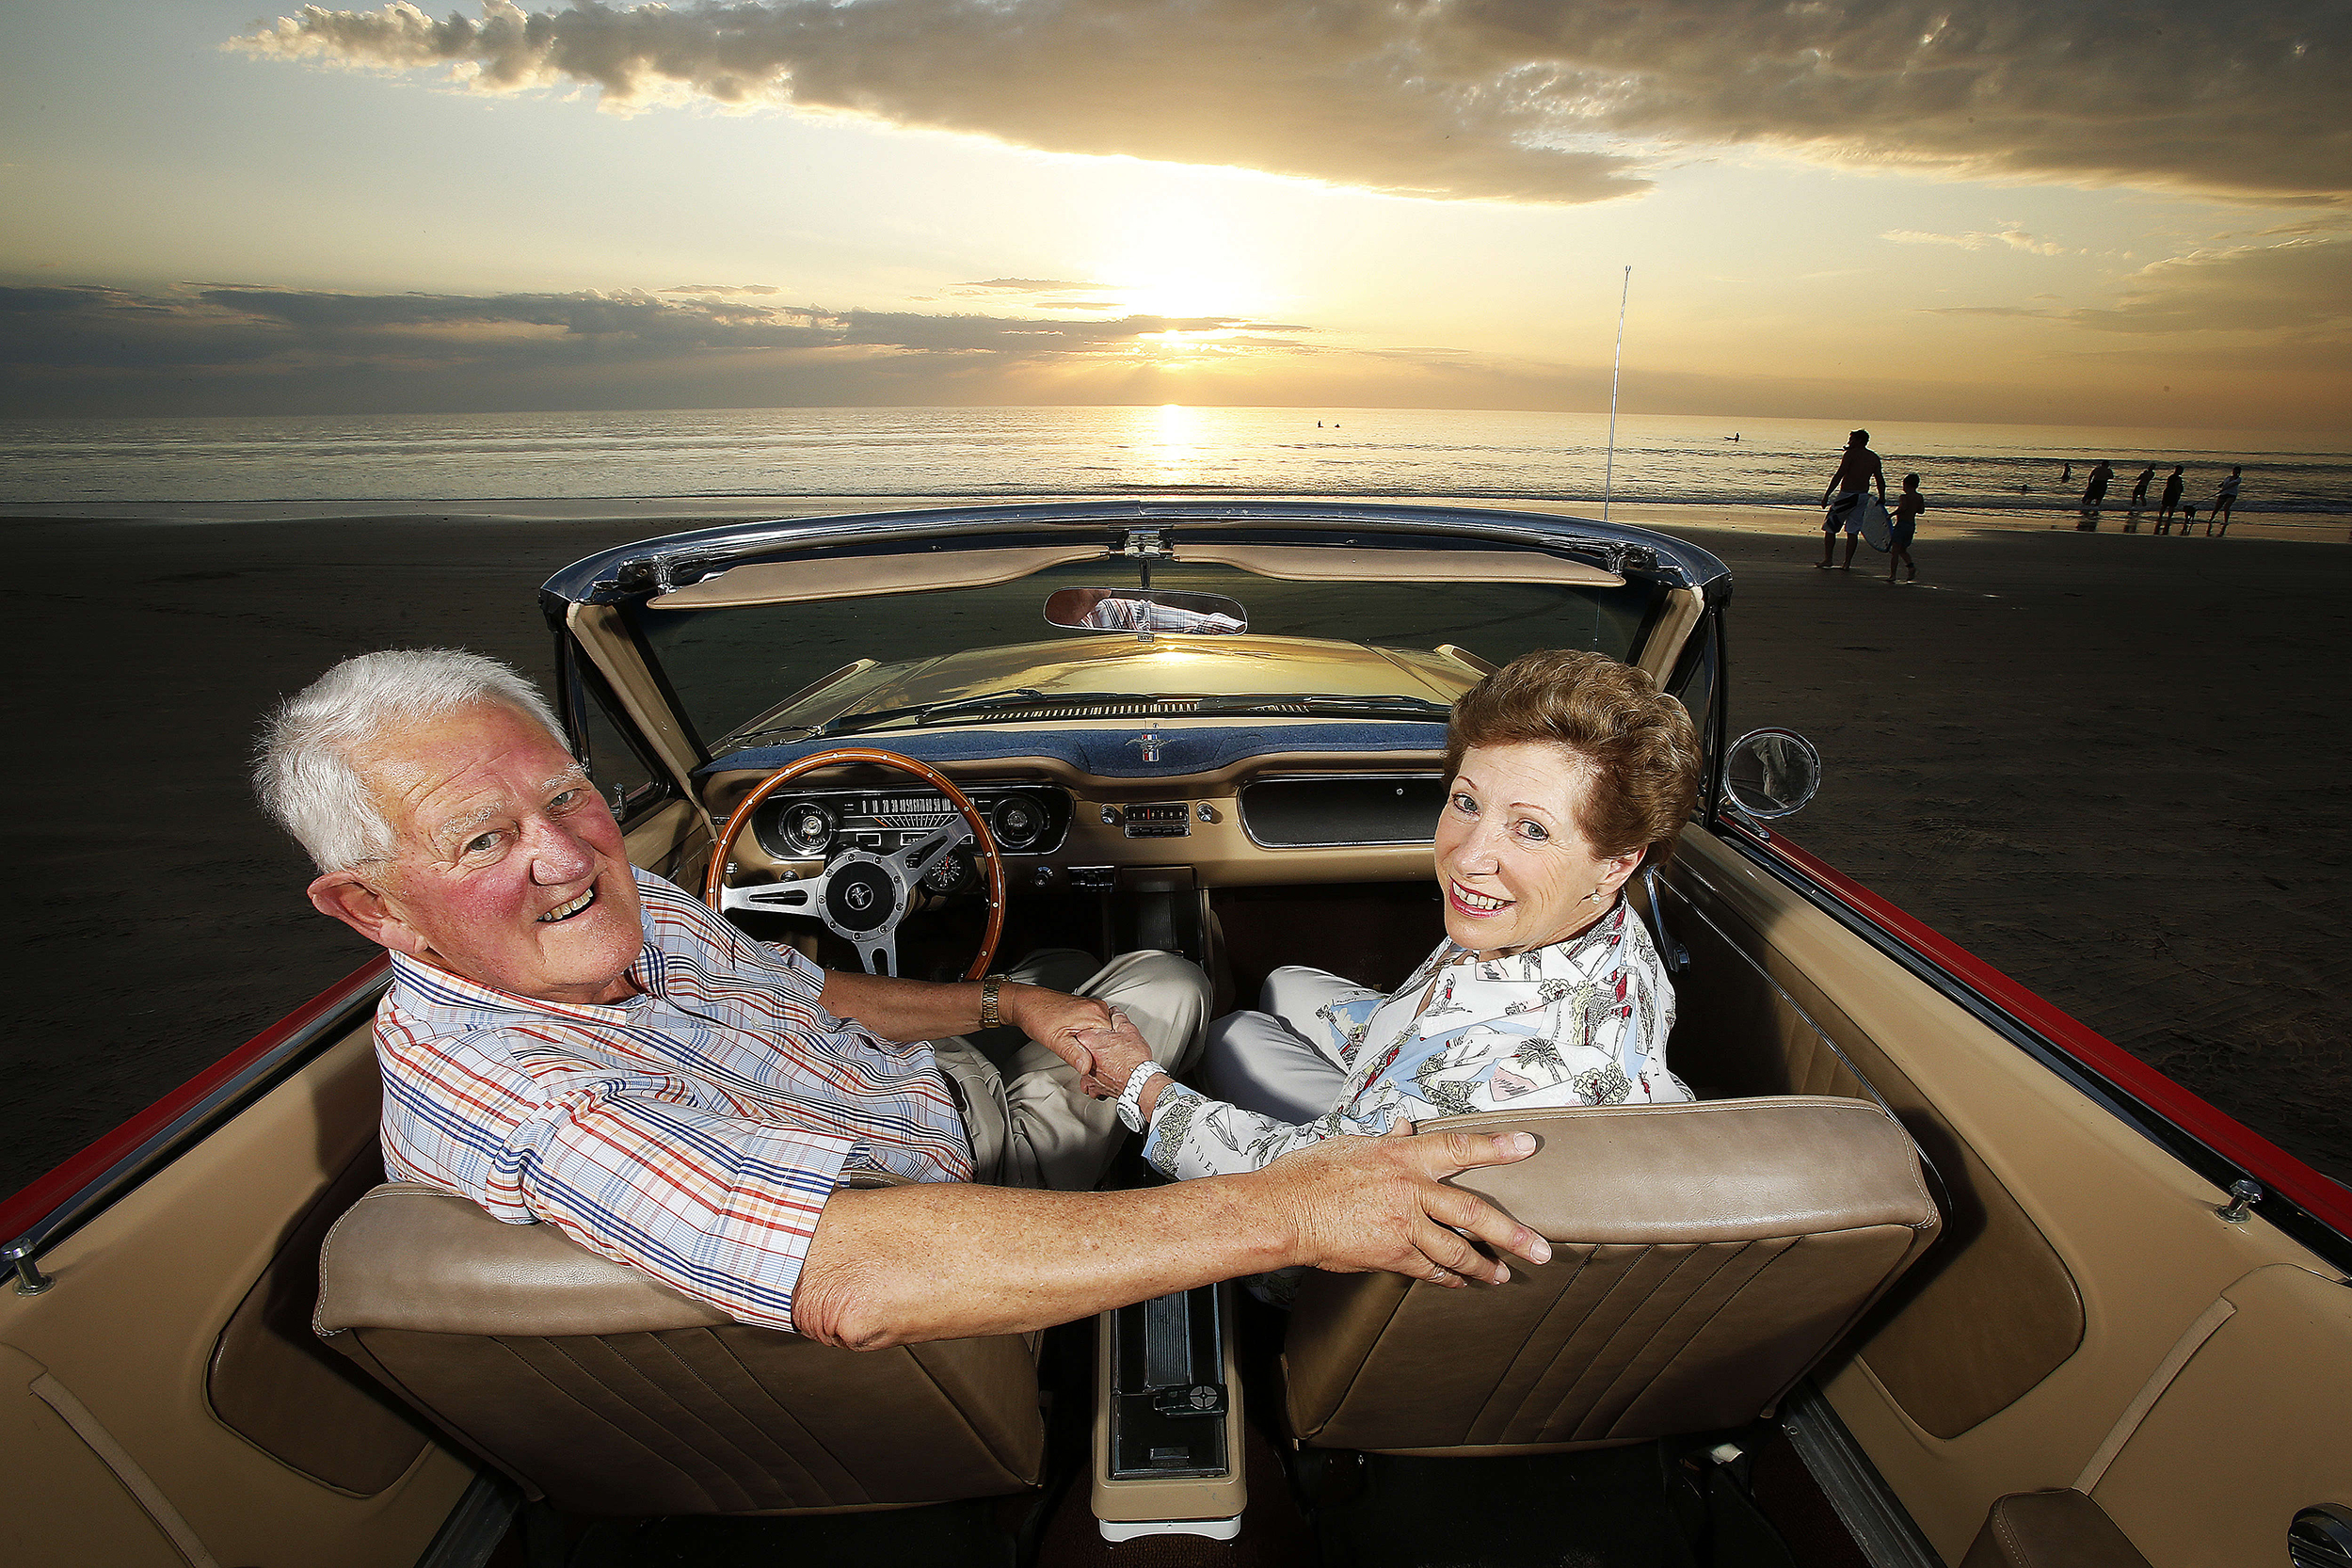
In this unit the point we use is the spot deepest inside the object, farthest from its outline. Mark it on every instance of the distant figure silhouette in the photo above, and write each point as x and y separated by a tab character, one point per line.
2066	475
2095	489
1855	472
1906	509
2139	486
2172	486
2224	502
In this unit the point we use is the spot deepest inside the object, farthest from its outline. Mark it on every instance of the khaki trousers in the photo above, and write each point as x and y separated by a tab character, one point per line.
1029	1122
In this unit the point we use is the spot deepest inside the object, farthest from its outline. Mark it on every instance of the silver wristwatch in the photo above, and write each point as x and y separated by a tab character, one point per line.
1132	1097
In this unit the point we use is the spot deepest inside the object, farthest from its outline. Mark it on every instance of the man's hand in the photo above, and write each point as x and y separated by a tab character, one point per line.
1117	1052
1056	1020
1361	1204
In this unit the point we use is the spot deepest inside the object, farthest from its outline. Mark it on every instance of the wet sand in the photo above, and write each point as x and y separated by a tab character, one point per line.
2108	762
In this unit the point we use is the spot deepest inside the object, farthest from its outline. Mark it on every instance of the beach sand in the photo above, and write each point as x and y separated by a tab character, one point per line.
2109	763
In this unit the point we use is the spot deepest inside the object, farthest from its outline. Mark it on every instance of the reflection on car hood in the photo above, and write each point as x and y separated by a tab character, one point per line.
1125	664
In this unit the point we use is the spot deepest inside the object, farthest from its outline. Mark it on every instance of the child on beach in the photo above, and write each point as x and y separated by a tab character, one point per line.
1906	509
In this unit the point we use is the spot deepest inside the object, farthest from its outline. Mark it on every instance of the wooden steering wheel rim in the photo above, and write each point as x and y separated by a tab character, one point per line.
991	861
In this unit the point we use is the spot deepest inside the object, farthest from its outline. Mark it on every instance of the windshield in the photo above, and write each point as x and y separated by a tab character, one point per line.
734	665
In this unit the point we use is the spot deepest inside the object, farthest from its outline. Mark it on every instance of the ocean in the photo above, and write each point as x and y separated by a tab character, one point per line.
77	465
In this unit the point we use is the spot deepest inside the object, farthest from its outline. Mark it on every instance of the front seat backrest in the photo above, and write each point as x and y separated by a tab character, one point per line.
1704	1255
609	1393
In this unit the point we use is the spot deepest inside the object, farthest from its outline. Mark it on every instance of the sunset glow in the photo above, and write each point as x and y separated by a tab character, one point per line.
914	201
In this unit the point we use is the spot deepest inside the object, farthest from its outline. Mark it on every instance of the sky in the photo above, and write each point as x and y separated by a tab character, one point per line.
2132	213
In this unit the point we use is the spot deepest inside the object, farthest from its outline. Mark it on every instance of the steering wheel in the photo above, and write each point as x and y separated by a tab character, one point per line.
860	894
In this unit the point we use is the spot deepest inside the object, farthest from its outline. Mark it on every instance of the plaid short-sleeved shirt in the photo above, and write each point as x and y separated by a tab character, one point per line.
693	1131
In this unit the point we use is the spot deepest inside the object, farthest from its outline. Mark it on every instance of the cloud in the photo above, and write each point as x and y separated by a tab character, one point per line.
1505	100
2299	287
2015	238
229	346
724	288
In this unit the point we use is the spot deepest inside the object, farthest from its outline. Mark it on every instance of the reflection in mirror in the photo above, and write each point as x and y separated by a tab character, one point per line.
1772	773
1135	610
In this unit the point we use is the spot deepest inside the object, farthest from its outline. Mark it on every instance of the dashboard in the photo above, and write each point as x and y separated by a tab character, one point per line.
1334	825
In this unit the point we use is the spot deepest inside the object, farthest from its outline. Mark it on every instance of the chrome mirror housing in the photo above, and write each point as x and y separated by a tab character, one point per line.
1771	773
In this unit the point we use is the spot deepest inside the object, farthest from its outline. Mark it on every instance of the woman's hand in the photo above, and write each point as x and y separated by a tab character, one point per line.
1116	1052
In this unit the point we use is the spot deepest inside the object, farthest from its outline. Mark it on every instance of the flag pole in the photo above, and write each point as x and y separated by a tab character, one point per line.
1609	471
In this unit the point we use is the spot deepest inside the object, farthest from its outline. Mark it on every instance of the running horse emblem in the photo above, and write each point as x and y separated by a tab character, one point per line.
1150	744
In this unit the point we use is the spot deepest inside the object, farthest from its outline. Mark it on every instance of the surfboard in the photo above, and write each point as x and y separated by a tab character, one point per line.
1878	529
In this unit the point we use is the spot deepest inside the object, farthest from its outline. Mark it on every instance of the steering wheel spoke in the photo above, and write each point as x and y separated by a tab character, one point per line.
801	896
862	895
916	859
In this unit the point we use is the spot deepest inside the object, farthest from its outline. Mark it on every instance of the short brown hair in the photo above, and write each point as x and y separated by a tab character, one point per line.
1639	742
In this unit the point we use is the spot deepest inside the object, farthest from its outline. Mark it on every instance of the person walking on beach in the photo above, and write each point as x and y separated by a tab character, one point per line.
2224	502
1906	509
1855	472
2139	486
2095	489
2172	488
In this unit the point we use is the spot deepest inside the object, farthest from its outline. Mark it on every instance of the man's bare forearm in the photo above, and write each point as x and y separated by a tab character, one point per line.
903	1009
898	1265
949	1261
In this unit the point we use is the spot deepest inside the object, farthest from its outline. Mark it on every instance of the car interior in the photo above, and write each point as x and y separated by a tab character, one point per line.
1899	1288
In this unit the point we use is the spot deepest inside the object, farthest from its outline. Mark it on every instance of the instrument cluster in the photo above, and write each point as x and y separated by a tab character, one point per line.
1024	819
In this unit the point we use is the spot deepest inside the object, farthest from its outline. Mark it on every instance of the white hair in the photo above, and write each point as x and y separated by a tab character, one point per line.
302	768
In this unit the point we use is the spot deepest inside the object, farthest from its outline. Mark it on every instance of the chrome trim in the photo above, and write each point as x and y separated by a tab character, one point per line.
1241	812
899	822
357	995
618	574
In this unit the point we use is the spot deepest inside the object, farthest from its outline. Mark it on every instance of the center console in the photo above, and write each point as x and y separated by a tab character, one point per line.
1168	1450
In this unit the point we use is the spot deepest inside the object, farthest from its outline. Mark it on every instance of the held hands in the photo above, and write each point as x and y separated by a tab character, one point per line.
1361	1204
1060	1022
1116	1053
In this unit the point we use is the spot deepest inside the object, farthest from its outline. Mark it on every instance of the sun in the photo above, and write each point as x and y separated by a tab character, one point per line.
1176	255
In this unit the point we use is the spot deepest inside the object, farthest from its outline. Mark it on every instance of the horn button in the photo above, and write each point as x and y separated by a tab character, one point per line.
863	895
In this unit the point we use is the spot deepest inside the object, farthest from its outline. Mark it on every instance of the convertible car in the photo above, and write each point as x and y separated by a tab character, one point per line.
1929	1274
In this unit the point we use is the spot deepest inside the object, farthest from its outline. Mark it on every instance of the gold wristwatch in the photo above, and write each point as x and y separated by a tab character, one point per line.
989	988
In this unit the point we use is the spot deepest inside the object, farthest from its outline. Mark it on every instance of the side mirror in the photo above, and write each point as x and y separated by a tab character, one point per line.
1145	610
1772	773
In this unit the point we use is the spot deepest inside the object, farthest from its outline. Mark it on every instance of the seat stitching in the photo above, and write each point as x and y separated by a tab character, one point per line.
591	1413
1692	1336
750	1461
1593	1404
1528	1350
961	1416
800	1425
1589	1402
1528	1339
555	1344
1624	1282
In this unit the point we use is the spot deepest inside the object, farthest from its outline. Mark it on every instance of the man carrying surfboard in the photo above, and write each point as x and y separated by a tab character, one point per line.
1855	472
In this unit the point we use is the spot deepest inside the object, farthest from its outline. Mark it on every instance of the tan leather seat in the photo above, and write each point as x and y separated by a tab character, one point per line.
608	1393
1703	1258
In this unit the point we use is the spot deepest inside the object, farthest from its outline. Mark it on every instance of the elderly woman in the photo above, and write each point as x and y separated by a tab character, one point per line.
1567	772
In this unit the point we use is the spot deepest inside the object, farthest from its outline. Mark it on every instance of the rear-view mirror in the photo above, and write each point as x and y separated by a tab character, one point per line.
1145	610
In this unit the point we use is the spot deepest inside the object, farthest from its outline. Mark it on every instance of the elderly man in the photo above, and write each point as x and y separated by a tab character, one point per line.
569	1040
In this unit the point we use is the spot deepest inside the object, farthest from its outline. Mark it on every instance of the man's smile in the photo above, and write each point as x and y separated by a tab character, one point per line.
566	911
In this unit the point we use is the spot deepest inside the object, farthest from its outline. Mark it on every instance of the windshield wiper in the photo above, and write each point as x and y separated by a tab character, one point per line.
1368	706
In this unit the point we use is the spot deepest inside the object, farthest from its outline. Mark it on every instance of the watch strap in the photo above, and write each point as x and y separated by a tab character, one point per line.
990	1018
1132	1097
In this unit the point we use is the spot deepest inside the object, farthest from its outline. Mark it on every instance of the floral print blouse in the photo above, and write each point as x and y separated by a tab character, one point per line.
1580	1022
